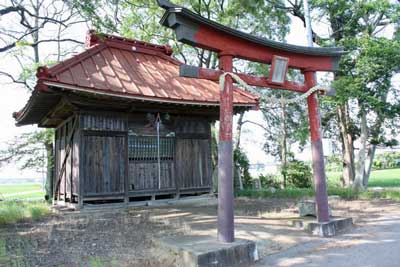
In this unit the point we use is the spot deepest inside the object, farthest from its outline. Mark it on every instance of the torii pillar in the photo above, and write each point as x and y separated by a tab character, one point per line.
195	30
225	155
321	196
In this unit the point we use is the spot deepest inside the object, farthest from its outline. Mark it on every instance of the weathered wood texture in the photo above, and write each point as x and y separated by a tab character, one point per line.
103	163
115	155
144	176
193	163
188	168
103	121
66	179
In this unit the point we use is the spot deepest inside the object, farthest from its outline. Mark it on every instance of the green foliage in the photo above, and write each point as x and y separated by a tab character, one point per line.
29	149
284	124
139	19
270	181
333	163
298	174
333	178
15	211
387	160
242	162
363	81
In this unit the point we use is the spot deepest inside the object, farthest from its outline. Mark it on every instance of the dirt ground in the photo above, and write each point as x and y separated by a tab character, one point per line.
128	236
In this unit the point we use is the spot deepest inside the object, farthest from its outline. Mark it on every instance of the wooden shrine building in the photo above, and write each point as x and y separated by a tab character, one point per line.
128	127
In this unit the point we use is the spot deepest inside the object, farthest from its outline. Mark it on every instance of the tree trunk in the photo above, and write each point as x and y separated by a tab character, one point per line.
35	35
237	145
239	130
50	171
347	146
284	144
368	164
360	166
214	147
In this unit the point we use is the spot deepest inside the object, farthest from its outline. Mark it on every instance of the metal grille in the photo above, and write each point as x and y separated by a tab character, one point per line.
144	148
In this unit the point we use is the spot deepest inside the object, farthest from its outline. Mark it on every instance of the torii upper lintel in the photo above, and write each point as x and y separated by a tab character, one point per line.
195	30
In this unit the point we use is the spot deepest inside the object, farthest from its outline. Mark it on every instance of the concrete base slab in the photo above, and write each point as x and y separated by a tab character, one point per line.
327	229
204	251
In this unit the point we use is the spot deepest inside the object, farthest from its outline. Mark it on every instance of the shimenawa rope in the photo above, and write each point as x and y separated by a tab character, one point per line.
272	100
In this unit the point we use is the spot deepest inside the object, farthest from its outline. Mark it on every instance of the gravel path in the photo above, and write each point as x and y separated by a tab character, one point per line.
375	244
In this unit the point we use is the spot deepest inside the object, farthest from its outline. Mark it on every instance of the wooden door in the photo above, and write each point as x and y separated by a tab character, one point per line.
193	163
104	163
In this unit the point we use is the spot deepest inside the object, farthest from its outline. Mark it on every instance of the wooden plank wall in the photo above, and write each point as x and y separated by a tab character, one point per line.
69	181
191	166
144	176
193	153
104	161
103	121
103	157
192	163
98	166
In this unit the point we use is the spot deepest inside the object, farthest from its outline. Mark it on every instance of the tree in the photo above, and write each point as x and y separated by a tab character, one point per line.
140	19
364	101
34	33
368	84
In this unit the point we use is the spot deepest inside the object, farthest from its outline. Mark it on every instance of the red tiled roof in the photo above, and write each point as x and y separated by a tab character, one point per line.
121	67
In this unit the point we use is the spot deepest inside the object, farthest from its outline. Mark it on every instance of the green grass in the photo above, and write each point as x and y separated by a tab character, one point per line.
385	194
296	193
99	262
27	189
15	211
16	188
25	196
385	178
378	178
388	179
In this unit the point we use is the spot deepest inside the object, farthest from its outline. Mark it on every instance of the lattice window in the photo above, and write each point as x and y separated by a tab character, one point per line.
145	148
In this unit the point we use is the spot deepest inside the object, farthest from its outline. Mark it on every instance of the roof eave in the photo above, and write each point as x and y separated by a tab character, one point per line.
253	104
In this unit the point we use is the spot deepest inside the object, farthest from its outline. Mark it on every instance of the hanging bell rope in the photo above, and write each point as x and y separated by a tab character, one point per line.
158	122
272	100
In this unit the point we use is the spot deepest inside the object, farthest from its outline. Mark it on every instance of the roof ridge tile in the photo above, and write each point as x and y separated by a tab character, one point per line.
94	38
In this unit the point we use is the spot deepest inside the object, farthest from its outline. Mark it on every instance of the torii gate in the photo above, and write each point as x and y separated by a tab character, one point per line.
195	30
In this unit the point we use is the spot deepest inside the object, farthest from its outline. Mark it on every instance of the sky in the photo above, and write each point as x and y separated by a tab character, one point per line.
13	98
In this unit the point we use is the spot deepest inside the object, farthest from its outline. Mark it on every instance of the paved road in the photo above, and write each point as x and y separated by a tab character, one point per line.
374	245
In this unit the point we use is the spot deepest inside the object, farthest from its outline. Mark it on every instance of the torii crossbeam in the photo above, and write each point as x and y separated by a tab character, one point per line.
195	30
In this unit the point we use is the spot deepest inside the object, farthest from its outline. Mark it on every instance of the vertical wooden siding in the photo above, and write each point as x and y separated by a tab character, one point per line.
104	121
104	160
144	176
68	183
193	163
99	157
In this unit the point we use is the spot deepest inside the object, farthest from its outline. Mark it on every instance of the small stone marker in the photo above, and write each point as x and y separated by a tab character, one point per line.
256	183
308	208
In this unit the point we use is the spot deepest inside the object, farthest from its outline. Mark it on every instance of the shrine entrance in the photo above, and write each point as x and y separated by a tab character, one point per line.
195	30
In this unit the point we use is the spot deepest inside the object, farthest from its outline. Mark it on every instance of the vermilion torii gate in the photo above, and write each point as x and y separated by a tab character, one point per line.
195	30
